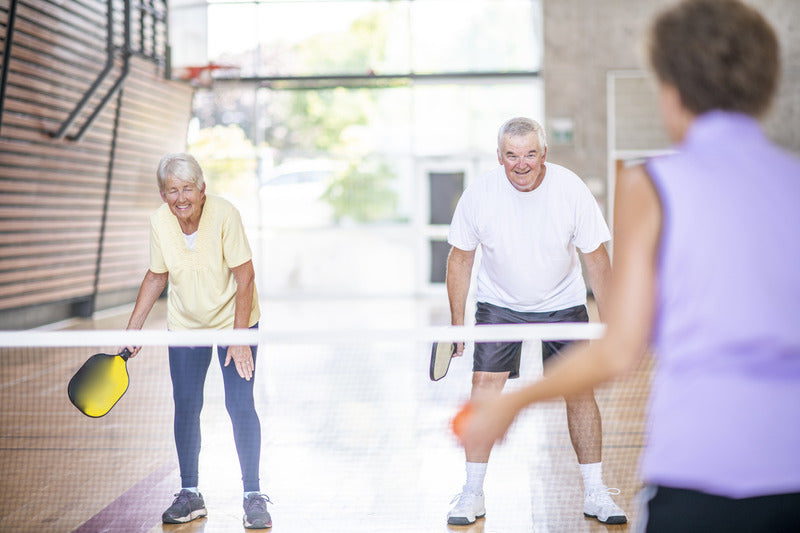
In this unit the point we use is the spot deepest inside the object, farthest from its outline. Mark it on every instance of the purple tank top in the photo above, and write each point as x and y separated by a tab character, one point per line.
725	400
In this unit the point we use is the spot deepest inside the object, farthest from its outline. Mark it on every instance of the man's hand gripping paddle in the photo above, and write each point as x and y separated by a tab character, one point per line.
441	354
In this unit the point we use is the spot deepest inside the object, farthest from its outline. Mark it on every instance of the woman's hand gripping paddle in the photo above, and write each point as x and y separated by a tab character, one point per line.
99	384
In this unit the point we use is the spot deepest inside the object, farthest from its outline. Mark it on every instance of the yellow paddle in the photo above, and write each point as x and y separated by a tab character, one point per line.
99	384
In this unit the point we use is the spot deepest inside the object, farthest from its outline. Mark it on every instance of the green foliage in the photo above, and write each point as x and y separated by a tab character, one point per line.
318	117
363	193
227	156
320	120
315	123
359	50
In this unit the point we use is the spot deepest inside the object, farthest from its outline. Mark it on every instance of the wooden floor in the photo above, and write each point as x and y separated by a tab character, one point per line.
355	439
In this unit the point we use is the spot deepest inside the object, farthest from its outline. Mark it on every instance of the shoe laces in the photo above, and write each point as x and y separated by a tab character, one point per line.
257	502
612	491
603	498
183	495
463	497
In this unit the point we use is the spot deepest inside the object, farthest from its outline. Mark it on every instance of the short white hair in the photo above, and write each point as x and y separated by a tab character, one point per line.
521	126
180	166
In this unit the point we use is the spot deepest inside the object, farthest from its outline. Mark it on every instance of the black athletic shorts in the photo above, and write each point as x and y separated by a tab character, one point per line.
505	356
667	510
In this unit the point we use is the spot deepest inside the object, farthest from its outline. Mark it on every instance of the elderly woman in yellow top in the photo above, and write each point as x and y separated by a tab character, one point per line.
198	244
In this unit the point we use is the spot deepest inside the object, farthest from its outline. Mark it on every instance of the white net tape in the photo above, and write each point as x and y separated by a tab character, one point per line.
482	333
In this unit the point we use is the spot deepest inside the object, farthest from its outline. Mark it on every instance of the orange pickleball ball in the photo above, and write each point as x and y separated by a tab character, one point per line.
460	421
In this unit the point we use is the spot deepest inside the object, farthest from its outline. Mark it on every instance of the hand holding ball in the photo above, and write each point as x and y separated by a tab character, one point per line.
461	420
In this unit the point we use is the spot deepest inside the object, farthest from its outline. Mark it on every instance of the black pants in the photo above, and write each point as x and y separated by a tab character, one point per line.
506	356
688	511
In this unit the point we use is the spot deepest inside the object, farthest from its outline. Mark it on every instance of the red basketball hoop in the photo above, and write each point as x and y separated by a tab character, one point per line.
200	76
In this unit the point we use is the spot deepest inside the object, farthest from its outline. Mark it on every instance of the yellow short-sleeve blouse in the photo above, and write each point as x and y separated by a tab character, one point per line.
202	289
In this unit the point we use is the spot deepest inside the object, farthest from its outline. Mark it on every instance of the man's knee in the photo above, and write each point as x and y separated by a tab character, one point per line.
488	382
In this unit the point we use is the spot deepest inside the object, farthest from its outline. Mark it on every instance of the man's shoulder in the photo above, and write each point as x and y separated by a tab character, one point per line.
491	175
562	172
566	180
488	180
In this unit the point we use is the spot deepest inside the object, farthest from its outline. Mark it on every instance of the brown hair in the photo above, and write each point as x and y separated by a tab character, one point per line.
718	54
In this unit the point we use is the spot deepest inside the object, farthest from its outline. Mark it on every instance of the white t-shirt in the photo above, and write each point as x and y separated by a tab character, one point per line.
529	261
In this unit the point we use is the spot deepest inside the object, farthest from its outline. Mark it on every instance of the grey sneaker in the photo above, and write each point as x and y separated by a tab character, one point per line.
186	507
255	512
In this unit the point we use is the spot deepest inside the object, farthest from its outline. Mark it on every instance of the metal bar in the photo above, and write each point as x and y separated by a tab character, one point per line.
160	21
12	15
150	18
100	78
114	88
153	17
109	176
154	30
126	58
167	48
142	19
406	75
372	80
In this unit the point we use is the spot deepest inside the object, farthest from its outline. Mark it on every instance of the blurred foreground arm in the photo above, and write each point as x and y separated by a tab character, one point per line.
629	312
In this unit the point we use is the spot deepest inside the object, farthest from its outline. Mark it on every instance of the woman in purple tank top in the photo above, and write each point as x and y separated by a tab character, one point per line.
706	274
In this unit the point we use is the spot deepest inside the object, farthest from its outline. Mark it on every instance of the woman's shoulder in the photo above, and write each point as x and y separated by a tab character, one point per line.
161	214
219	206
218	202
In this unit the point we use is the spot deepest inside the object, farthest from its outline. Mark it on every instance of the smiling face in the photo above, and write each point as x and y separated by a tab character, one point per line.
185	200
522	158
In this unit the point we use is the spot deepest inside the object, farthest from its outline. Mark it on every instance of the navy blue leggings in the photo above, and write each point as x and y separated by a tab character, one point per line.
188	367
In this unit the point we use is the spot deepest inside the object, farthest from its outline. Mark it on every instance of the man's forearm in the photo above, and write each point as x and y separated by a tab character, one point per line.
598	266
458	304
459	272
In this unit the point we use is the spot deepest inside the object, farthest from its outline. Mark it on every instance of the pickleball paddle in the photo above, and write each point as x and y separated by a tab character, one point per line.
99	384
441	354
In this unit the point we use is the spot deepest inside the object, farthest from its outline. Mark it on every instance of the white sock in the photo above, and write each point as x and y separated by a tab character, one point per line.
191	489
248	493
476	472
592	476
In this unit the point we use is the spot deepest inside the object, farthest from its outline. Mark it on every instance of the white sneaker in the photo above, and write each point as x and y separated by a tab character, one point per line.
598	504
468	508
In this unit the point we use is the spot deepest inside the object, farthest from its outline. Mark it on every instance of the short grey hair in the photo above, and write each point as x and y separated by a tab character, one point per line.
520	126
181	166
